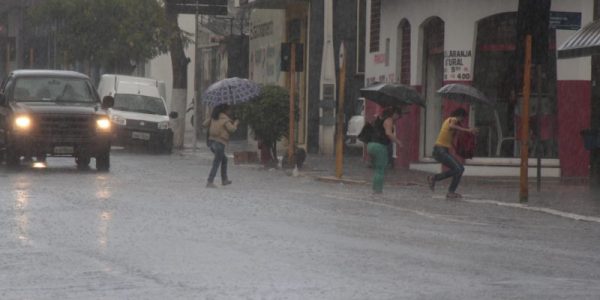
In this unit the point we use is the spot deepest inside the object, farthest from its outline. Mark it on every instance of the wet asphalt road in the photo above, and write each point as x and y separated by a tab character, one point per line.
150	230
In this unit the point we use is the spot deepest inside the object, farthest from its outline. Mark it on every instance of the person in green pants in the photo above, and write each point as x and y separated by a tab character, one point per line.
377	147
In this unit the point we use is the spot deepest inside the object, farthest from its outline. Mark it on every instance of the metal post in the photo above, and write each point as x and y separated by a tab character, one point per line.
339	145
196	102
538	144
524	193
292	138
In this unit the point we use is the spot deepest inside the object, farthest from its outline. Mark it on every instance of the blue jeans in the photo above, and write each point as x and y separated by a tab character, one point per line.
455	171
220	160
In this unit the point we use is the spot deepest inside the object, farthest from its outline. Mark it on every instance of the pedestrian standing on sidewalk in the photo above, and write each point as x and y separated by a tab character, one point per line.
220	126
377	147
441	152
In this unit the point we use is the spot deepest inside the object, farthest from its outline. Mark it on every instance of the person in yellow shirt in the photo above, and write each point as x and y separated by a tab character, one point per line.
441	152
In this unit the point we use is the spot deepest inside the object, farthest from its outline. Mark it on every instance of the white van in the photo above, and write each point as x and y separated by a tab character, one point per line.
140	111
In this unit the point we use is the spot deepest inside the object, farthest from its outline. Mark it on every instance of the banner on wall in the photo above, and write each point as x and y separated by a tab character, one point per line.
267	32
457	65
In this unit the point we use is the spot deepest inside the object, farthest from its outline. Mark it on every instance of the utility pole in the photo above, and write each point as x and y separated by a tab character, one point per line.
327	84
532	30
595	111
524	193
339	145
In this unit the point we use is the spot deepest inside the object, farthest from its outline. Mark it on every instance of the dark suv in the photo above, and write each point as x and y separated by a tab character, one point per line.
53	113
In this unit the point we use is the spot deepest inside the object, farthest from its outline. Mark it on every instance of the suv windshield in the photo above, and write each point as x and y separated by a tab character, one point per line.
140	104
50	89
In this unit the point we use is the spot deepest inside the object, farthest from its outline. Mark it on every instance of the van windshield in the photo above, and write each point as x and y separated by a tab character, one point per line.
52	89
140	104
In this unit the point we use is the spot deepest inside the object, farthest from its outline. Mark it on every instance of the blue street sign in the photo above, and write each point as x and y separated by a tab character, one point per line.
563	20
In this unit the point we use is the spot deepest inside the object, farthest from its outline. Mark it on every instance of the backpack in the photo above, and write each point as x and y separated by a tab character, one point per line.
366	133
464	144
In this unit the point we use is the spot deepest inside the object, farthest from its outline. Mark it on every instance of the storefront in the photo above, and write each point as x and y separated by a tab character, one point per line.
434	43
274	23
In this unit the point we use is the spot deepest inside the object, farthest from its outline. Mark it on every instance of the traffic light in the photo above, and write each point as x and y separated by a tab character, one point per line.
286	56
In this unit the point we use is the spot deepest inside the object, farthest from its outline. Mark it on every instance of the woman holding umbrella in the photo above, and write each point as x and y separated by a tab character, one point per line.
441	152
220	95
220	126
377	147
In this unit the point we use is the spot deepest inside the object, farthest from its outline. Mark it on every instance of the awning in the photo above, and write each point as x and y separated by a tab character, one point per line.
585	42
268	4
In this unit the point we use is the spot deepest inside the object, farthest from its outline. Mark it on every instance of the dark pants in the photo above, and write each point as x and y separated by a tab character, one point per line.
455	171
220	160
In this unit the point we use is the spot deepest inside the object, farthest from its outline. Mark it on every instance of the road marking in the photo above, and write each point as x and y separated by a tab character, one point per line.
550	211
414	211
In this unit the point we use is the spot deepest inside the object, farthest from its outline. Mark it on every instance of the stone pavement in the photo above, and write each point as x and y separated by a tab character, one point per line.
566	198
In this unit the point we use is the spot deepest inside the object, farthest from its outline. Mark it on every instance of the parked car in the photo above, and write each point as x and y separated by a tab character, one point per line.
355	125
53	113
140	111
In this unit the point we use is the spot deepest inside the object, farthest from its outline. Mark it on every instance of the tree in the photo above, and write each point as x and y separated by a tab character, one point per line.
113	34
268	117
179	64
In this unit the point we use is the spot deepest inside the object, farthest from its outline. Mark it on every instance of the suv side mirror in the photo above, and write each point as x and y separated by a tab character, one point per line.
173	115
108	102
2	99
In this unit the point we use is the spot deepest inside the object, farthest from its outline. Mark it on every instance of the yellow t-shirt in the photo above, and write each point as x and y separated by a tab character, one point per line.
446	134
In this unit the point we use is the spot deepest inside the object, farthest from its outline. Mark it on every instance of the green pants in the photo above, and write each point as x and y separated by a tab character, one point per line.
379	155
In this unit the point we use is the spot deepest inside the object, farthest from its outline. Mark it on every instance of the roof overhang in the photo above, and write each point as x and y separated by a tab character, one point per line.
585	42
268	4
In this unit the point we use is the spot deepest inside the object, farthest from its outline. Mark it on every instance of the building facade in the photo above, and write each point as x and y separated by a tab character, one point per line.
321	26
427	44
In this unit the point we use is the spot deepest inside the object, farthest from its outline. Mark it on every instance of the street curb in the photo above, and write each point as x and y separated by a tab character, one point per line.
331	179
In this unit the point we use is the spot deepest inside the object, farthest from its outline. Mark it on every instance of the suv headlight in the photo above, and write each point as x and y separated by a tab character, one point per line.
103	124
163	125
118	120
22	122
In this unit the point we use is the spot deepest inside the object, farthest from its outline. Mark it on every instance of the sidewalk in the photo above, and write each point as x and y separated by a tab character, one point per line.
565	198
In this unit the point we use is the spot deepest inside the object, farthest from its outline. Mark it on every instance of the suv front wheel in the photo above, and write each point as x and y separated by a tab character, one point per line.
103	161
82	162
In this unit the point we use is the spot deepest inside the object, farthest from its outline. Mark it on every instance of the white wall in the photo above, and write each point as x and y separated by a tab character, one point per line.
460	18
573	68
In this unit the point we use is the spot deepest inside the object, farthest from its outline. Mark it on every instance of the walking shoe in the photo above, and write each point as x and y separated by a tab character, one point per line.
452	195
225	182
210	185
431	183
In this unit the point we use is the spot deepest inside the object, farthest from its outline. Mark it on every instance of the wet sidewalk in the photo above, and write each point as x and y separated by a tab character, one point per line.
567	198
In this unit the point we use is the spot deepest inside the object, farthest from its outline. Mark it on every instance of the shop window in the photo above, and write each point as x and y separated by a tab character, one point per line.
375	25
497	72
403	52
361	27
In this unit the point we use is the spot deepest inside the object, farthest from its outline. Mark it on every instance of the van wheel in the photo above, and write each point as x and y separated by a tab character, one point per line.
82	162
103	161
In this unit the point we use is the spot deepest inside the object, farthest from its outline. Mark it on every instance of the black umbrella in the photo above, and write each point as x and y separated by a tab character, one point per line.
391	94
464	93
